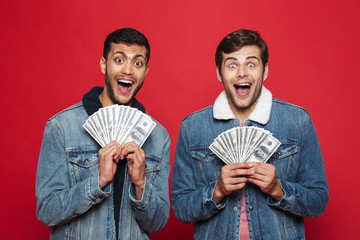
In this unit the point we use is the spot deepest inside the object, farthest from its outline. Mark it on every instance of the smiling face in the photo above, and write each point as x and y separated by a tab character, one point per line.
125	70
242	74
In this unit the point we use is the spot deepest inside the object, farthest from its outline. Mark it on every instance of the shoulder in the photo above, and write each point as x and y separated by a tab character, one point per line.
290	116
74	109
200	115
73	115
283	106
159	129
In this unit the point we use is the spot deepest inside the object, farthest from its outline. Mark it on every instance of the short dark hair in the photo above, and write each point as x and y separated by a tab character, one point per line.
127	36
238	39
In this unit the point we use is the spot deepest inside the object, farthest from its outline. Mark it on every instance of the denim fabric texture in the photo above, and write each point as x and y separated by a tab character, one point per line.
67	186
299	167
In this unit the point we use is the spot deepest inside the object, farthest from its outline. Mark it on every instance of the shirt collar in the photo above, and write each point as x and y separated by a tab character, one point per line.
261	113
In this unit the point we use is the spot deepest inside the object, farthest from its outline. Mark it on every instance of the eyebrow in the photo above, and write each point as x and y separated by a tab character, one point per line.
124	54
247	58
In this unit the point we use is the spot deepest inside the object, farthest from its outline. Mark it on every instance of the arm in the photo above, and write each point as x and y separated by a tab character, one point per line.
308	195
58	200
191	197
151	203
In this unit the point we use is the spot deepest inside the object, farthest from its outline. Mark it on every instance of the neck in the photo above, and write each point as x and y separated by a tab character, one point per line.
104	99
242	113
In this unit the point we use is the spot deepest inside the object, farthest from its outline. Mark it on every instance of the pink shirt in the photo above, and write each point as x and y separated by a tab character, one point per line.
244	229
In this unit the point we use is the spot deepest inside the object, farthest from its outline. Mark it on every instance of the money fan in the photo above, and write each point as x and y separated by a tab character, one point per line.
121	123
244	144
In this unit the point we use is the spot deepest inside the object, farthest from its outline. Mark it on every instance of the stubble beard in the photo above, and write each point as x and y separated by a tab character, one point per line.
232	96
110	92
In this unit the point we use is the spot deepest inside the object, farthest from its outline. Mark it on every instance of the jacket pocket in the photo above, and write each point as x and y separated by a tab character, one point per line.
284	159
152	166
207	164
83	164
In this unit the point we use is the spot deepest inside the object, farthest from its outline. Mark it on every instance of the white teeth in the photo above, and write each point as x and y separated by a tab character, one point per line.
125	81
243	84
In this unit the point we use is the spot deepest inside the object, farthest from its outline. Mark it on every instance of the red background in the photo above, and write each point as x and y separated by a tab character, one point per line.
50	53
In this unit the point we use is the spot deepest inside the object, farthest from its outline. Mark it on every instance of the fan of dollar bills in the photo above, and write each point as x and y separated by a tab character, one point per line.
121	123
245	144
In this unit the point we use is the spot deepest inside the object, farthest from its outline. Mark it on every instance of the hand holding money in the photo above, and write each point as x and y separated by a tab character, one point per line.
246	150
109	156
265	177
233	177
136	164
121	131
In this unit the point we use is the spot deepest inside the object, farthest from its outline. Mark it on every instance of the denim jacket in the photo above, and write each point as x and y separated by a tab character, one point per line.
299	167
67	184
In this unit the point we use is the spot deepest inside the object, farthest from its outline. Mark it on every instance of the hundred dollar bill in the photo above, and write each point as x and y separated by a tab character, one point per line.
220	152
244	144
141	130
93	132
264	150
120	123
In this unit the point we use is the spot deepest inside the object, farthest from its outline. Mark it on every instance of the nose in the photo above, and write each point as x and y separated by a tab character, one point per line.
127	68
242	72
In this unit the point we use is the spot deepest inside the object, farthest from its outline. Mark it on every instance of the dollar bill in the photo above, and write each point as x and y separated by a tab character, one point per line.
140	130
244	144
120	123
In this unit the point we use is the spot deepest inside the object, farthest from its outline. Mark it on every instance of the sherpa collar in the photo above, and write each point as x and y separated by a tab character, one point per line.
261	113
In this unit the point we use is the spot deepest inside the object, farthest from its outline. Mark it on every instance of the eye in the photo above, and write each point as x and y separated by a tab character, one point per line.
119	60
251	65
138	63
232	65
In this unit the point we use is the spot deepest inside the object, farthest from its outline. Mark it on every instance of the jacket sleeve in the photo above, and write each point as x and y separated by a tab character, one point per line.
153	210
191	197
308	195
58	200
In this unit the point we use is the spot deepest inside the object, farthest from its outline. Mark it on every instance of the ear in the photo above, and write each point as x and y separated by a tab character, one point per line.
147	69
218	74
266	72
103	65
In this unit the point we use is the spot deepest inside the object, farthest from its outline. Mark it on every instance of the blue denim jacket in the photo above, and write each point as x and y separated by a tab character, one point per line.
67	186
299	167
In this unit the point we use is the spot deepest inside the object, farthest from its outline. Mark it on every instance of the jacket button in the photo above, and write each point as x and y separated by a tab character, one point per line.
234	123
86	160
278	153
235	208
251	208
249	124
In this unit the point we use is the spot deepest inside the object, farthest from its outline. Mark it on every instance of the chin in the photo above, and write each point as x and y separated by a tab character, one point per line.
123	101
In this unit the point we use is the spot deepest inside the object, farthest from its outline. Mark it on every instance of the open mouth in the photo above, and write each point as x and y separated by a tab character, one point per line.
242	88
124	85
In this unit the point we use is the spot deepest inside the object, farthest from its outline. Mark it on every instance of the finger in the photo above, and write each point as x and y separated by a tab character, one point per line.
110	152
257	182
230	188
240	172
234	181
239	165
132	149
128	147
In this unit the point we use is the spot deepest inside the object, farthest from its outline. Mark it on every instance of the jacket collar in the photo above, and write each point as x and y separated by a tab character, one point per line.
92	102
261	113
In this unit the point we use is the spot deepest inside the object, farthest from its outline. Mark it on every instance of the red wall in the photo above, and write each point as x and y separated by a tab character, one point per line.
50	53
